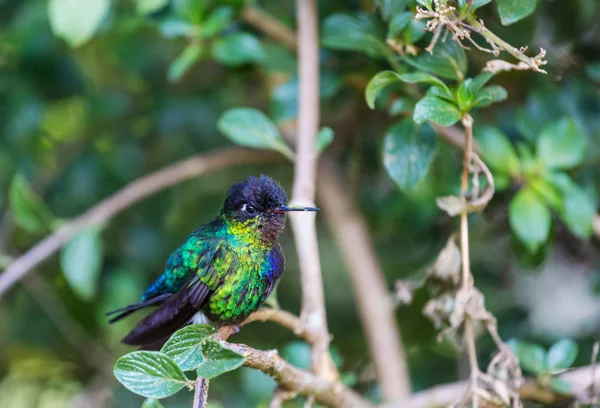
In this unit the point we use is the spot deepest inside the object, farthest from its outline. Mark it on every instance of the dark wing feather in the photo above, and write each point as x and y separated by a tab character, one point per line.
127	310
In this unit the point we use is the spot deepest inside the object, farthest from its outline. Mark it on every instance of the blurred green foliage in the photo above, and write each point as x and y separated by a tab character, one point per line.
96	94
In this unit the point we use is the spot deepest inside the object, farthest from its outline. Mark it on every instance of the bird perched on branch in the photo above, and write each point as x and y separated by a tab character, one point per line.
225	269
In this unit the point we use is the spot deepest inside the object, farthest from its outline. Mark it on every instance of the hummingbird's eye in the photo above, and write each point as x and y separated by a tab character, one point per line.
249	209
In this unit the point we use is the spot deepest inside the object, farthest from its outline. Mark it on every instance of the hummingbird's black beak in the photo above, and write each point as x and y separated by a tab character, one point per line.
285	208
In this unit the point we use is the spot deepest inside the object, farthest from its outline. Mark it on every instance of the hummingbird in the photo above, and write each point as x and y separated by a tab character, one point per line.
225	269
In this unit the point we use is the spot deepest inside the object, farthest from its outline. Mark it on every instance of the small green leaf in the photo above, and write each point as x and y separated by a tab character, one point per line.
448	60
150	374
358	32
561	386
529	219
436	110
408	152
479	81
488	95
237	49
218	360
497	151
440	92
531	357
28	209
391	8
190	10
324	138
512	11
464	95
415	31
385	78
399	23
184	62
152	403
561	144
172	28
216	21
184	347
149	6
76	21
562	355
547	191
475	4
81	262
252	128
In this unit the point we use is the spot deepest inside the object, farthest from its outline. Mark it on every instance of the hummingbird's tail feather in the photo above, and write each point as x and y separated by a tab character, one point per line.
175	312
126	311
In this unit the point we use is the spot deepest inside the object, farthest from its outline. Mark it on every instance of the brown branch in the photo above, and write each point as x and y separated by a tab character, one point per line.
270	26
296	380
375	305
444	395
283	318
304	226
126	197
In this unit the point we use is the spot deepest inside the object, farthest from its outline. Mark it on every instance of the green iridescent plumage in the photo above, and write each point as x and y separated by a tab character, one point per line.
226	269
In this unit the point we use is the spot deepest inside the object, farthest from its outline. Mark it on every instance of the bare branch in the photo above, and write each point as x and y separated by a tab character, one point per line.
126	197
313	300
283	318
270	26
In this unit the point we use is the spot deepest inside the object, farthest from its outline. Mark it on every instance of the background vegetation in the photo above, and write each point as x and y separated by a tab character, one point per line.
96	94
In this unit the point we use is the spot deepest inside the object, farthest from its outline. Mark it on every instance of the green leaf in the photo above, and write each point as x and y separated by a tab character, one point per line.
358	32
561	144
385	78
172	28
475	4
324	138
440	92
436	110
184	347
547	191
577	210
399	23
150	6
252	128
497	151
561	386
464	95
390	8
184	62
479	81
76	21
150	374
529	219
218	360
488	95
189	10
28	209
562	355
81	262
531	357
415	31
408	152
217	21
237	49
152	403
512	11
448	61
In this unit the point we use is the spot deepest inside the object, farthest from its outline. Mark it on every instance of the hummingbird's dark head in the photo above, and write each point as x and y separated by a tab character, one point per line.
255	207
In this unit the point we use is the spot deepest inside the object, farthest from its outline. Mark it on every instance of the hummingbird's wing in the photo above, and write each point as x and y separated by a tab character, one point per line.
178	309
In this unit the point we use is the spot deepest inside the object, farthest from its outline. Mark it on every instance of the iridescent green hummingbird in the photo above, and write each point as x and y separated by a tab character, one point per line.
225	269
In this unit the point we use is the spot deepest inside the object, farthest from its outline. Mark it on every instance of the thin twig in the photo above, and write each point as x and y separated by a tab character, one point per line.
270	26
126	197
283	318
304	226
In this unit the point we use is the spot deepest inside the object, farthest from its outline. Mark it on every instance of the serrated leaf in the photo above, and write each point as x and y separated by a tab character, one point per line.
252	128
218	360
385	78
150	374
28	209
216	21
184	62
81	262
512	11
237	49
561	144
324	138
447	61
530	219
76	21
561	355
152	403
436	110
497	151
149	6
532	357
185	346
408	152
359	32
